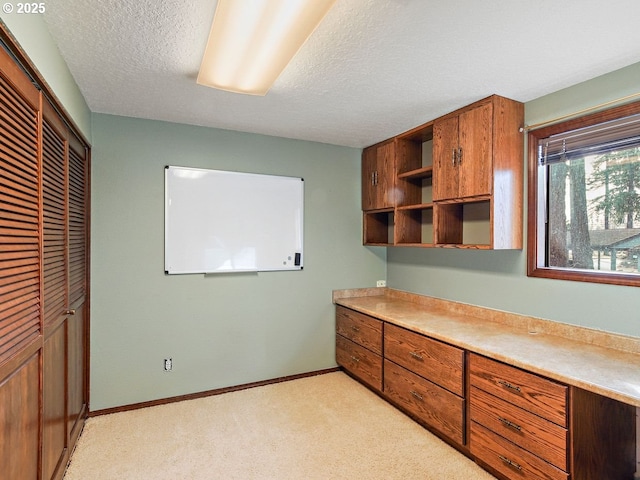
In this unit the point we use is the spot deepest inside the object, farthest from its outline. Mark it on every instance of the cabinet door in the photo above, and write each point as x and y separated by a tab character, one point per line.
476	151
360	361
385	176
430	403
378	176
445	148
369	166
436	361
359	328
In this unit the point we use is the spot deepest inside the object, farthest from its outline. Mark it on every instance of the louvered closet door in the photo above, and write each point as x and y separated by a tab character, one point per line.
19	223
54	194
20	314
77	222
55	305
77	323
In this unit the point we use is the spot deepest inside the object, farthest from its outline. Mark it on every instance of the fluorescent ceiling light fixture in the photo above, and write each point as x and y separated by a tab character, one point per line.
252	41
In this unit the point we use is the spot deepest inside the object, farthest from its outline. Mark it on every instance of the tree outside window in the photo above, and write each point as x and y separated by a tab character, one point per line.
584	195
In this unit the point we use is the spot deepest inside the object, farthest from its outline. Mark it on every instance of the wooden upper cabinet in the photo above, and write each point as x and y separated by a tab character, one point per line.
378	176
368	175
446	181
476	153
463	153
455	182
381	164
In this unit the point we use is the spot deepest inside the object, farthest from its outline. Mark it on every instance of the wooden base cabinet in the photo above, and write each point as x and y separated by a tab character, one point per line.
426	378
359	346
516	424
524	426
426	401
360	362
422	376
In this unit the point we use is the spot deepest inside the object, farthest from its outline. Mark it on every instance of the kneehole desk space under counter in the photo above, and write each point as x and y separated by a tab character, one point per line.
524	397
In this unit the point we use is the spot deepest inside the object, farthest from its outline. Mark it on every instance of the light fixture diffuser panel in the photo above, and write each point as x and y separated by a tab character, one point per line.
252	41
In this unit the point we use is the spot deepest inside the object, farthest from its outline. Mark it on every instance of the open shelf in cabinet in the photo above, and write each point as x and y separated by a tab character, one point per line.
463	224
416	181
379	227
414	225
414	216
418	174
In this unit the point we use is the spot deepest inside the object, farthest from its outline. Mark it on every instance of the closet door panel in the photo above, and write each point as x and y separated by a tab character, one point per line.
20	420
54	192
77	223
76	373
19	213
54	434
78	257
20	250
55	306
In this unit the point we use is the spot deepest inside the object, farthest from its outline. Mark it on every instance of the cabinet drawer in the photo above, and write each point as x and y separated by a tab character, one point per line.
362	363
359	328
535	434
431	359
430	403
509	459
526	390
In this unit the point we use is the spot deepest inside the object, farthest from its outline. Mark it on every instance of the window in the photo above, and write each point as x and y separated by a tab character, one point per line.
584	198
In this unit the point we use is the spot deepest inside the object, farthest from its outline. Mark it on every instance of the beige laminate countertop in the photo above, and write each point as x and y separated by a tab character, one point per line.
603	363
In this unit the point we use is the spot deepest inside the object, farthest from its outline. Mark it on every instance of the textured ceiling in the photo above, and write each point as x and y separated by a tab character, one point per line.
373	69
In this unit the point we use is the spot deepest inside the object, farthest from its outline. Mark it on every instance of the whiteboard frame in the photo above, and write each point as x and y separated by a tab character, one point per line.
261	222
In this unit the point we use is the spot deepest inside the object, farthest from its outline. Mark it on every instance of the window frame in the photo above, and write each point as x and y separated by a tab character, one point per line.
535	234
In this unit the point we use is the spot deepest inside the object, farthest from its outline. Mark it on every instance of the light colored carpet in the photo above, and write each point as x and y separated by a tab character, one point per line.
322	427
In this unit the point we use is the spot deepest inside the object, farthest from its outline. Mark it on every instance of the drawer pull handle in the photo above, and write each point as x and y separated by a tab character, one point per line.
509	386
416	355
511	463
355	359
510	424
354	328
416	395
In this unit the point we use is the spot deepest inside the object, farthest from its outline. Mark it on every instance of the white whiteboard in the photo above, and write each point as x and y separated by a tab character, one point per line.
218	221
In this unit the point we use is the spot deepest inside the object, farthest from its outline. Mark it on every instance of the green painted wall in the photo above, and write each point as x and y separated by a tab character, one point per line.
220	330
234	329
498	279
32	34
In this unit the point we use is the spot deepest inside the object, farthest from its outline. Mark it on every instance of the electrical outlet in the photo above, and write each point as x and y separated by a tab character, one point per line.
168	364
381	283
